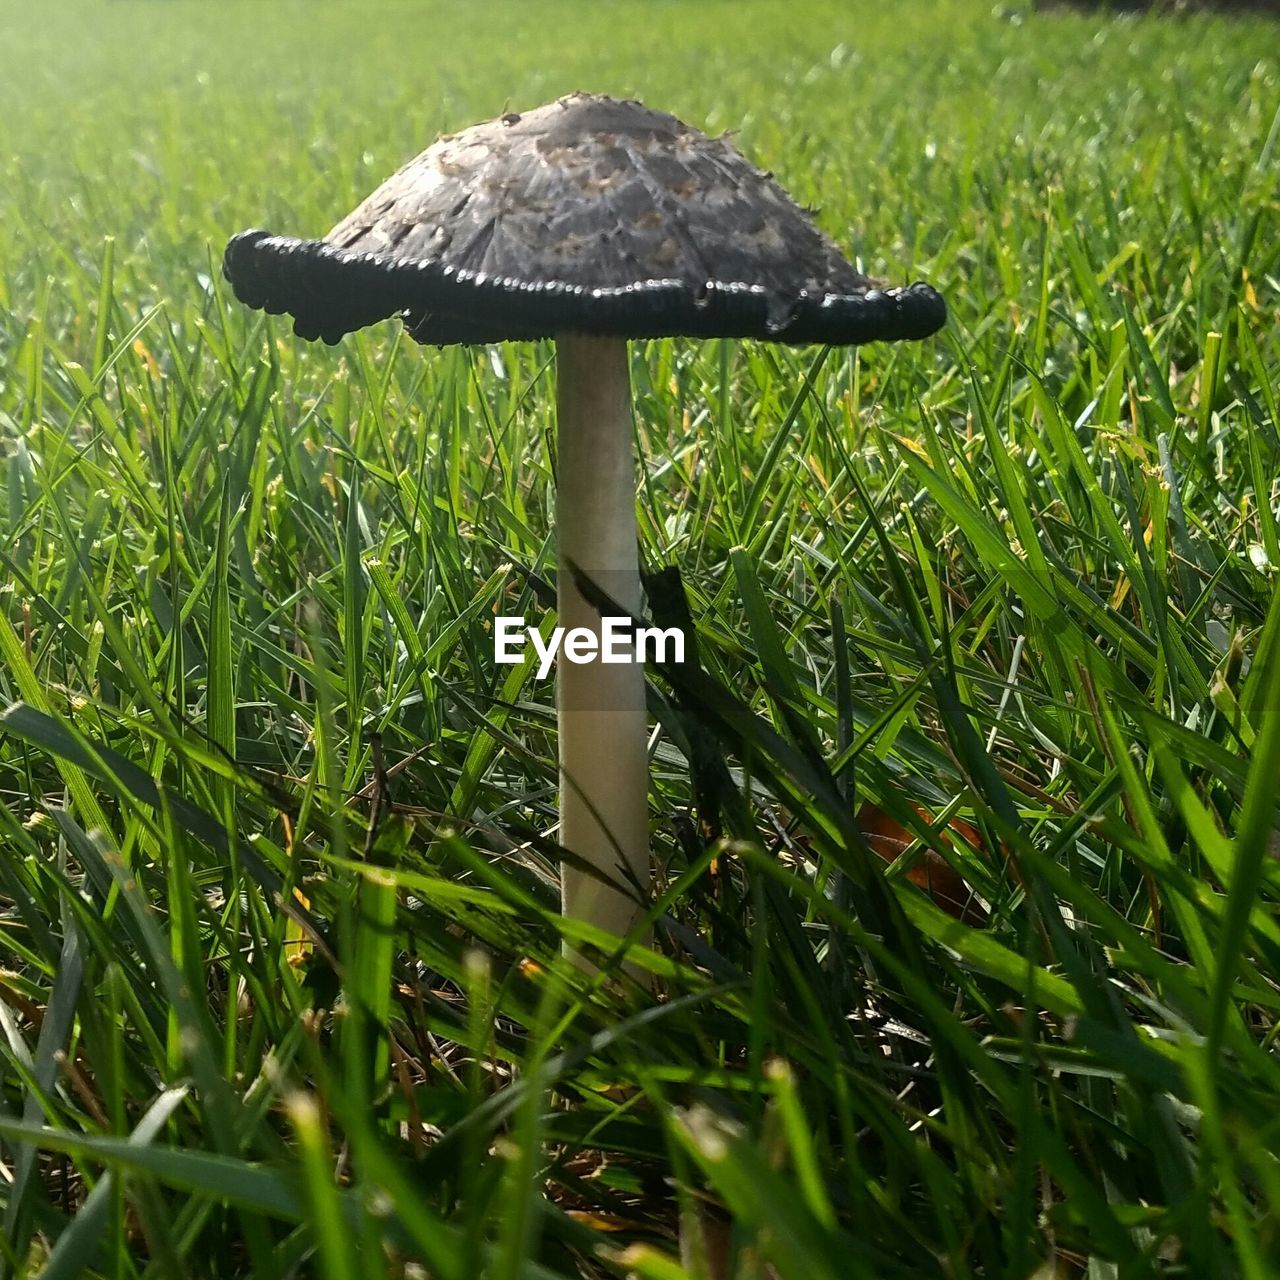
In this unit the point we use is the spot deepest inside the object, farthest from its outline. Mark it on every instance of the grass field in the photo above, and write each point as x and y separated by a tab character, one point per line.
280	988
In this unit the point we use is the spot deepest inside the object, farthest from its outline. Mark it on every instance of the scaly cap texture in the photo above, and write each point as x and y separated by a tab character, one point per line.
587	215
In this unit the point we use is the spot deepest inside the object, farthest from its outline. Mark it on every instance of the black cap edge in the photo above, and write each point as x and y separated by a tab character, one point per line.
331	292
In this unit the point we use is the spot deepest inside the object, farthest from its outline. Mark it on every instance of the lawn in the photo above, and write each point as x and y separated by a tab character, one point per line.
280	980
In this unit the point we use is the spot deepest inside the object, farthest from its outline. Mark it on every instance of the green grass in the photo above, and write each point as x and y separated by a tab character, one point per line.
280	991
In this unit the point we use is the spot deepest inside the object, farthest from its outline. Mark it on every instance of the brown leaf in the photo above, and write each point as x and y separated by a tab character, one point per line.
930	871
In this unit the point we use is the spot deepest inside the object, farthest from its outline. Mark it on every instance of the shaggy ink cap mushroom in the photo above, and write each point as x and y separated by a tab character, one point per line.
589	221
588	215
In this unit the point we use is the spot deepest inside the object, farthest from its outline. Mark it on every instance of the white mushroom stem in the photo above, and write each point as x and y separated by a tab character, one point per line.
604	774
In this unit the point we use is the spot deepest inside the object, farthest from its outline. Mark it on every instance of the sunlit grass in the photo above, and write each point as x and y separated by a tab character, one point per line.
280	989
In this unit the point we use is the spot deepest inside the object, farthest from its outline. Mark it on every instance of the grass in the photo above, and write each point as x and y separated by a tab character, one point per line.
281	993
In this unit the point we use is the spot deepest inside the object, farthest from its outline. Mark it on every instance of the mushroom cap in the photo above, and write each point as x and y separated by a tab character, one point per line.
587	215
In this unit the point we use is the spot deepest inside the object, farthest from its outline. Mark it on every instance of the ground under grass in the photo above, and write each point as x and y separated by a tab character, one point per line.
280	992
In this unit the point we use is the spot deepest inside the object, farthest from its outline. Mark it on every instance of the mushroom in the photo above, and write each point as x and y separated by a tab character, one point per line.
589	221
